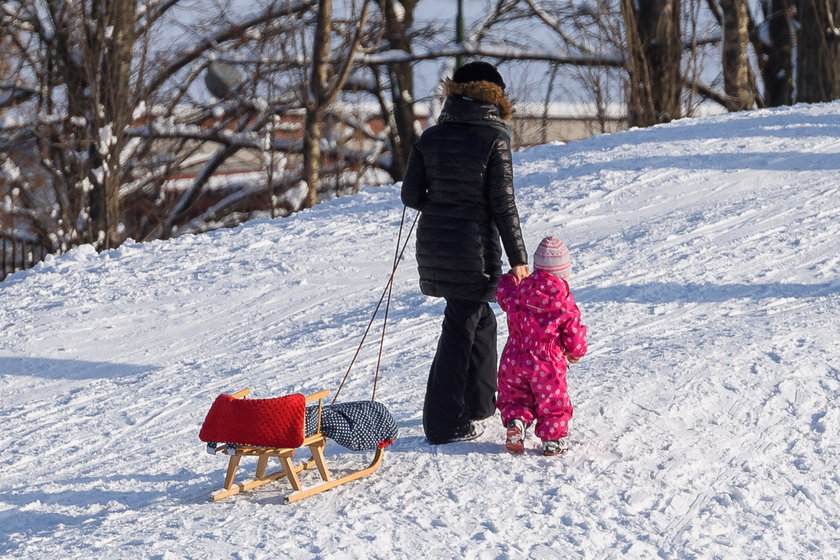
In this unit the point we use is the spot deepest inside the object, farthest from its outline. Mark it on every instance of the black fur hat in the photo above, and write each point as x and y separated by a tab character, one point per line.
476	72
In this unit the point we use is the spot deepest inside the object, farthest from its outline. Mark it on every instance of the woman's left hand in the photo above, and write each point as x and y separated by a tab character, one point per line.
520	271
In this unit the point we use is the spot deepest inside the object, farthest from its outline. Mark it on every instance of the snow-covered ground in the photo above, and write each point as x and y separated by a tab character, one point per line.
707	268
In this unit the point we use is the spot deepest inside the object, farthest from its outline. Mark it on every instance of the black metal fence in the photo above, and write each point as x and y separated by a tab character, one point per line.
19	254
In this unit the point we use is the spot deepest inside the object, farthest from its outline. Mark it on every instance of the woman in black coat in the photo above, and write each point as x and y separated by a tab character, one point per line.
460	177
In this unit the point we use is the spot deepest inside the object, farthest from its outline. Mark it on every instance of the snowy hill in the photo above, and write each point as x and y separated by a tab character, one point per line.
707	268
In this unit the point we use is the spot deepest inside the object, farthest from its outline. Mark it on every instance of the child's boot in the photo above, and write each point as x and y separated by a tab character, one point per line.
555	446
515	442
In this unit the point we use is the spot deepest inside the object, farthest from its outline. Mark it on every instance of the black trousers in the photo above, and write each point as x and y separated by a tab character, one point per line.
462	380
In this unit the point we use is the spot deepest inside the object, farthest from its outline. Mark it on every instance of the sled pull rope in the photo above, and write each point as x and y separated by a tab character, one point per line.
398	254
397	257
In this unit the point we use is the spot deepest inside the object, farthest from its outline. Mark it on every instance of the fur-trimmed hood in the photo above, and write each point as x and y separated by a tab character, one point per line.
483	92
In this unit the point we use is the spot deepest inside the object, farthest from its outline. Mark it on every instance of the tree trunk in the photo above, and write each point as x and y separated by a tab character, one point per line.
736	69
818	47
92	56
111	56
776	55
315	102
398	23
654	50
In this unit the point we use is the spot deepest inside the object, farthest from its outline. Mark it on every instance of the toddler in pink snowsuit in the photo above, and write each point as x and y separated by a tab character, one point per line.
544	330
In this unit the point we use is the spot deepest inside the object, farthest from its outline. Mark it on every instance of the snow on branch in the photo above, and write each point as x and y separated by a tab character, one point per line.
251	140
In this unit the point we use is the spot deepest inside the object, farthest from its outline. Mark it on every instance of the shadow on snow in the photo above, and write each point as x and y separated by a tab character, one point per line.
671	292
49	368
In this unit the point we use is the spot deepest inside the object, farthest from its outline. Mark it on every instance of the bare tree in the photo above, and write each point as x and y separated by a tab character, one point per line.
654	49
736	69
79	71
88	83
593	30
818	51
398	20
774	45
323	90
109	111
106	114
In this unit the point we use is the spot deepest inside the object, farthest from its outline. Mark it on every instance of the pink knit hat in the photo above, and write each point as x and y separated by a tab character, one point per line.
553	256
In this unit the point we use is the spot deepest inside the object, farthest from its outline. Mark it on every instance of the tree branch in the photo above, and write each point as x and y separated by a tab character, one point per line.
186	57
555	25
16	96
706	92
352	49
248	140
502	53
150	18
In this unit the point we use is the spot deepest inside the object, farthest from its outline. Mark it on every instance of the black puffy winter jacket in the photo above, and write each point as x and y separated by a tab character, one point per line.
460	177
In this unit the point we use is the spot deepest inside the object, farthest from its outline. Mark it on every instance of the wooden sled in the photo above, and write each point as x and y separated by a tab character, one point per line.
290	470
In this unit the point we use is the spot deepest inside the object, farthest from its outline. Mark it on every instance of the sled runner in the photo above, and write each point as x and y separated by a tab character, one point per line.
281	423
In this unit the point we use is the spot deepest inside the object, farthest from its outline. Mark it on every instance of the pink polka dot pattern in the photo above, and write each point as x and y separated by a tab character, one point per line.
544	327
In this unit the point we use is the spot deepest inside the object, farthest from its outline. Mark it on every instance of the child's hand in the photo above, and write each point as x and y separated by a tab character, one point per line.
572	360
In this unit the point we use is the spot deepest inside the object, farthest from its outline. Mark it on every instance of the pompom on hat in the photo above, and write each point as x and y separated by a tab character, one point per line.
478	71
553	256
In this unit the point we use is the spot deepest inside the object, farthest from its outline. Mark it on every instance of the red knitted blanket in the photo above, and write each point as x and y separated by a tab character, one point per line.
276	422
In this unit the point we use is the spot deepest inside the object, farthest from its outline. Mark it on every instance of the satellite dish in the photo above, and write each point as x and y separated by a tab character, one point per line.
223	79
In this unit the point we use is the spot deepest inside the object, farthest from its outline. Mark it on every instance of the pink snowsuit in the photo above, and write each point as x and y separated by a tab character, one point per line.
543	326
